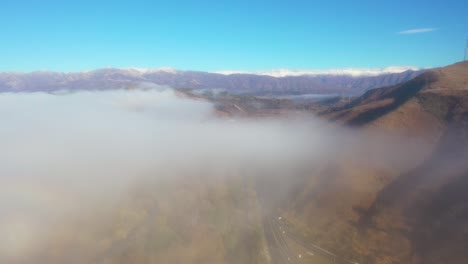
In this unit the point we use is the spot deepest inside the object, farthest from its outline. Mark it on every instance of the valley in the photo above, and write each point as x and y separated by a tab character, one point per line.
363	201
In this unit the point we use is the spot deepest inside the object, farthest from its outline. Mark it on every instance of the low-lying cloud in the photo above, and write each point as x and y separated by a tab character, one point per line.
64	153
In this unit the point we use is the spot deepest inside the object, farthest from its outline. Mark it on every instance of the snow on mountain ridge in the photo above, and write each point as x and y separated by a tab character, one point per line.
354	72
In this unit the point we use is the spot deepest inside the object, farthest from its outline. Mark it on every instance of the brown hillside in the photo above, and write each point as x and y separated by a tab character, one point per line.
362	211
448	81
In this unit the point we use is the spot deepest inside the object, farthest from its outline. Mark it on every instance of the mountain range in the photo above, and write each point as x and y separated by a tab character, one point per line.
237	83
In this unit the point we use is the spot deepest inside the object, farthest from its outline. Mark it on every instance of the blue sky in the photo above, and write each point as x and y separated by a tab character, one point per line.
235	35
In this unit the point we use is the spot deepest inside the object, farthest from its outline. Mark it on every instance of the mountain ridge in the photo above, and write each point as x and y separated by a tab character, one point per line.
114	78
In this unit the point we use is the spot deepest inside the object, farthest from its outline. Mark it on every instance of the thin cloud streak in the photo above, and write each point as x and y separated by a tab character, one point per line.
417	31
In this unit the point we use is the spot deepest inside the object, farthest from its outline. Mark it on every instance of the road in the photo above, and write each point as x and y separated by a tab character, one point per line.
280	251
286	247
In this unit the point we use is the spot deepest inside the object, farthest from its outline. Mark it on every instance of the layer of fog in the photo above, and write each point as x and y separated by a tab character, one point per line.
62	153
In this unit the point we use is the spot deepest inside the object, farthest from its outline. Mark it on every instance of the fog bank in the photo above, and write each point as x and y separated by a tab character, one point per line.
62	154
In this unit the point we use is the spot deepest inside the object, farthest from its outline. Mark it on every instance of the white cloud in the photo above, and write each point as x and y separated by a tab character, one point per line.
417	30
68	161
355	72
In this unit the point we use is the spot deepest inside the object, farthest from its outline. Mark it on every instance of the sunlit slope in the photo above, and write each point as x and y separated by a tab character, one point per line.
448	85
383	214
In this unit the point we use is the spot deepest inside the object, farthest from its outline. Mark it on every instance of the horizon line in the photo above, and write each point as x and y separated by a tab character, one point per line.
278	72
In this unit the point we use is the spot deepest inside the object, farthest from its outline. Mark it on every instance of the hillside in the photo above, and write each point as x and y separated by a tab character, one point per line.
432	87
382	215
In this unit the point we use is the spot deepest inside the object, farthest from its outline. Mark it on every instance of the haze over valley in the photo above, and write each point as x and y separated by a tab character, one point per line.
156	174
239	132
